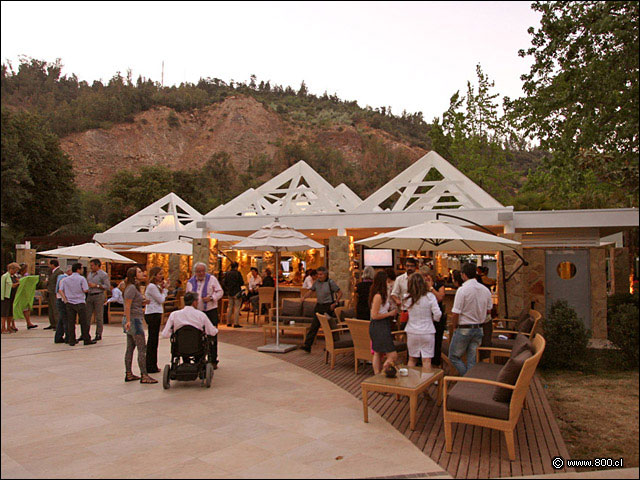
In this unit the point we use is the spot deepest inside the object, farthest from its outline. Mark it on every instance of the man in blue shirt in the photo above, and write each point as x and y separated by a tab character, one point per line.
73	290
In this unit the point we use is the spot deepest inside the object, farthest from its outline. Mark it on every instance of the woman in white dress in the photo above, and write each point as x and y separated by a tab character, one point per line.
423	311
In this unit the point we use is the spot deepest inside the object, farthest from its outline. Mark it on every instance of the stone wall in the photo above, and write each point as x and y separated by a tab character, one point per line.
534	278
204	252
598	274
339	264
621	270
516	299
28	256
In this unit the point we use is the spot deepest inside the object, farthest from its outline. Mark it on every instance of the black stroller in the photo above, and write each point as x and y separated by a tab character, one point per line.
190	357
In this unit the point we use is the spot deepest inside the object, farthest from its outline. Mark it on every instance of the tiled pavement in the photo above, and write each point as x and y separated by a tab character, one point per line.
66	412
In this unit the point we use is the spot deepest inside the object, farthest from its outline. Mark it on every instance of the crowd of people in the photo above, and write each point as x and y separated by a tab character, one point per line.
412	301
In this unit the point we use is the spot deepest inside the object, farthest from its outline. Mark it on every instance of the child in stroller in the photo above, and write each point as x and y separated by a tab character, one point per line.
189	330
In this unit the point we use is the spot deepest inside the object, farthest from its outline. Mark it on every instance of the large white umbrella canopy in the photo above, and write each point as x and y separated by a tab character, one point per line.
87	250
179	247
277	237
437	235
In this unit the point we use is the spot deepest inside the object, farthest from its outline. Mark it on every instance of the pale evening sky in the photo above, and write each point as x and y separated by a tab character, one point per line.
411	56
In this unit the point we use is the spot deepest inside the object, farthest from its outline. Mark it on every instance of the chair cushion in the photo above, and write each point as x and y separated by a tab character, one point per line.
347	313
343	343
333	324
485	370
526	325
476	399
285	319
400	346
520	344
509	374
291	308
308	307
522	317
497	342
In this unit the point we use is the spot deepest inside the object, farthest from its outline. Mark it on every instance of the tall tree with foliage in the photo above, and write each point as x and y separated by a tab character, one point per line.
582	100
38	189
473	136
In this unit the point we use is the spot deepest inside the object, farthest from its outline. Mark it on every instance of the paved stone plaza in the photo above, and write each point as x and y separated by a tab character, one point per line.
67	412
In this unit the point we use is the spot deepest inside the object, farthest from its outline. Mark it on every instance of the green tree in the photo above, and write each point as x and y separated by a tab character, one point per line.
473	136
130	191
37	176
581	94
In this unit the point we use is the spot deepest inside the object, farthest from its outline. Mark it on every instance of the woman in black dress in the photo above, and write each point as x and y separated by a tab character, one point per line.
380	326
363	311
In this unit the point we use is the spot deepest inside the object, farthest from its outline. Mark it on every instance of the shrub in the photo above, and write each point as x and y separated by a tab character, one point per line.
624	333
615	301
173	120
566	336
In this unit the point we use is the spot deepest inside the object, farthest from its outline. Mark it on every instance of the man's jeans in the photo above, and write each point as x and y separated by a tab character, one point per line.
465	340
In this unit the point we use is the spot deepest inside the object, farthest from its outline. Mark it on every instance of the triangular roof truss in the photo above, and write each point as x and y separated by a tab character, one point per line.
414	189
298	190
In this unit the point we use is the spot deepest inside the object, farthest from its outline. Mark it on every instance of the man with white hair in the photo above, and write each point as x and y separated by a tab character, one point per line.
209	292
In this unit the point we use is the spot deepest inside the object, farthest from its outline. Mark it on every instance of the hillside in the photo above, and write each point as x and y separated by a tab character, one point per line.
239	125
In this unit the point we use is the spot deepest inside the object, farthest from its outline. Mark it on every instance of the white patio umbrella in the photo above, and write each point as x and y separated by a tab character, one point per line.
87	250
437	235
276	237
179	247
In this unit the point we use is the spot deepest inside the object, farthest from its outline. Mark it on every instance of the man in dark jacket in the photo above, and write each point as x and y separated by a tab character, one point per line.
56	271
232	285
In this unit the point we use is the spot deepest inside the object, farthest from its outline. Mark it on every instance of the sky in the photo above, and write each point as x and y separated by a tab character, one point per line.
411	56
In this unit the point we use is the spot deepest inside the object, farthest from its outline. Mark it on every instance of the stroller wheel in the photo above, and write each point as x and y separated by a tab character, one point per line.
209	373
165	377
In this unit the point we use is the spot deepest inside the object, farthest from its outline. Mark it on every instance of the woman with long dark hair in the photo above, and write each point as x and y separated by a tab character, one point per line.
380	326
132	325
156	294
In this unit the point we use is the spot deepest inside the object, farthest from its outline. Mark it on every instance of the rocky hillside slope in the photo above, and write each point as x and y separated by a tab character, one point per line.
240	126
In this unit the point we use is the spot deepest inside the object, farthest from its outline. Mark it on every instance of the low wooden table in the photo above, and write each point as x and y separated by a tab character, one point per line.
411	386
297	329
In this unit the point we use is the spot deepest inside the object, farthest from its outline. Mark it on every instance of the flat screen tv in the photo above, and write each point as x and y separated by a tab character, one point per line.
378	257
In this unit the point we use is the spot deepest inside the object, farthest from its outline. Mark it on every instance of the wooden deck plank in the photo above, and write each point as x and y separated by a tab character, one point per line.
477	452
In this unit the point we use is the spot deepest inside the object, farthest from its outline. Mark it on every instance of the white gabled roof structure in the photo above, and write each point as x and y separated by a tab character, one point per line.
415	189
162	221
302	199
299	190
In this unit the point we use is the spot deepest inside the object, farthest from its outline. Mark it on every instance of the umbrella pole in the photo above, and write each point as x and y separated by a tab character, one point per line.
277	303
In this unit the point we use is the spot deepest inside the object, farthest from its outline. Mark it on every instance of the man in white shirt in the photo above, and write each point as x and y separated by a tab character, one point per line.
399	290
209	292
471	305
189	315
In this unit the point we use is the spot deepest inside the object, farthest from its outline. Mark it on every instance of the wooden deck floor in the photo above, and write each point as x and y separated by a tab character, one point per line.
477	452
